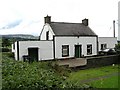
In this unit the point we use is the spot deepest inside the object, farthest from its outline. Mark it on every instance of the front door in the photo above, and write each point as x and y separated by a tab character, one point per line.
78	51
33	54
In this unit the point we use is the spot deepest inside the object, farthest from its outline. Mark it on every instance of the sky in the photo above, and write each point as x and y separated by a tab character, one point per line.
27	16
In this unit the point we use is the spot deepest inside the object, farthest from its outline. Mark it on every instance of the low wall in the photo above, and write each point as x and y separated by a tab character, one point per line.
102	61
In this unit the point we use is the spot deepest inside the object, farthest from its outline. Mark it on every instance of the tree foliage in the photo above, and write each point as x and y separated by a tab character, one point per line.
117	48
5	42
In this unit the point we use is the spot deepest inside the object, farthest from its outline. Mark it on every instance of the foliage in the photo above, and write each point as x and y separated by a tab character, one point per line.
23	75
62	70
117	48
5	42
4	49
46	75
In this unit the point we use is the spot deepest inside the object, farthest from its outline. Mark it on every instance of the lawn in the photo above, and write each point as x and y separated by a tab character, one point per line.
111	82
95	77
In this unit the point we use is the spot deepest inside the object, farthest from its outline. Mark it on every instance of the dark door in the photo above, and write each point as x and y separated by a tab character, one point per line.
78	51
33	54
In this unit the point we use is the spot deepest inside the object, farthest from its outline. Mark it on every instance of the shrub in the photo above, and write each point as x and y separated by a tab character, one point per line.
5	49
117	48
24	75
9	54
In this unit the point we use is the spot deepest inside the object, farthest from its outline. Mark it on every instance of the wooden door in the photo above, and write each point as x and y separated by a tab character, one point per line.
33	54
78	51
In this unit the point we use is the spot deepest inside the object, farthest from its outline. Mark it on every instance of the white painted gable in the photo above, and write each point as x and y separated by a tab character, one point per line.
46	28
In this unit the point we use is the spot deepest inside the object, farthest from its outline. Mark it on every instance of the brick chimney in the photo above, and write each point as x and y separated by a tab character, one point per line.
47	19
85	22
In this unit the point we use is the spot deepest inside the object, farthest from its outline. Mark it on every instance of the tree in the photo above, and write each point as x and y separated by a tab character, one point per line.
5	42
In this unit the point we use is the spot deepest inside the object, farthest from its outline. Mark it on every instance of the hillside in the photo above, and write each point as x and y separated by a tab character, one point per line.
24	36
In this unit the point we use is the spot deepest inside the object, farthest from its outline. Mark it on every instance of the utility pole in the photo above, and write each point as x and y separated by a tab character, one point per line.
114	28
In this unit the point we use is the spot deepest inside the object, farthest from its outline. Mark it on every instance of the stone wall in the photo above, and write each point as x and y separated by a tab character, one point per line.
102	61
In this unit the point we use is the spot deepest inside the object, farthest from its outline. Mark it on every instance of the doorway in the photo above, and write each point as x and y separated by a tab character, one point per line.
33	54
78	51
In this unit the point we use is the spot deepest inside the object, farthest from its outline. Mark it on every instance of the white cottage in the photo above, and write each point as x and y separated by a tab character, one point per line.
60	40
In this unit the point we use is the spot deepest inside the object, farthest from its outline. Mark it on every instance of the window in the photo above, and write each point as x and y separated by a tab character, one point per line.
47	35
65	50
89	49
103	46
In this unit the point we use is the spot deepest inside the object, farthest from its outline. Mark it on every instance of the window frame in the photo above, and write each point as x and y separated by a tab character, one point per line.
103	46
89	48
65	48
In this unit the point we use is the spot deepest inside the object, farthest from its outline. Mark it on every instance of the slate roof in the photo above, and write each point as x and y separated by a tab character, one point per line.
72	29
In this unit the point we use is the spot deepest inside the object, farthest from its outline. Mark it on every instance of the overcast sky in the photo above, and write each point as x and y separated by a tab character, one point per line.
27	16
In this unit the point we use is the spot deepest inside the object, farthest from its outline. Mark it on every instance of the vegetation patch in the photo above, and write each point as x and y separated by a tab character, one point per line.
110	82
45	75
83	77
23	75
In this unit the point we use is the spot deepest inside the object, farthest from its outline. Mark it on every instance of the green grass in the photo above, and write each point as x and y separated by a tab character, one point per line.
111	82
82	75
93	73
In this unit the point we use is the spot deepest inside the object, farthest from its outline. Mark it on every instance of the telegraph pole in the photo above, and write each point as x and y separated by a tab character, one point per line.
114	28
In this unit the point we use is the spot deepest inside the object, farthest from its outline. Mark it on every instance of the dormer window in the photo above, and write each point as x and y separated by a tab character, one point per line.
47	35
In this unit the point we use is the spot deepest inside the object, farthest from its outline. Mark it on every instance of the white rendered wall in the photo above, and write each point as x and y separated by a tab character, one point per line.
13	50
45	29
72	41
45	49
110	41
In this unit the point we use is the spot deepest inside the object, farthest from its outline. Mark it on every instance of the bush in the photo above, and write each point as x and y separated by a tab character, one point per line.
9	54
117	48
5	49
28	76
22	75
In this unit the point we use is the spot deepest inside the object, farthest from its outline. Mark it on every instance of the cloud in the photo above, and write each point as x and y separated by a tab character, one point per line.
11	25
23	27
100	14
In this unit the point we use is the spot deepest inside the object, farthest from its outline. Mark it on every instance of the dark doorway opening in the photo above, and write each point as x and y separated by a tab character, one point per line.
33	54
78	51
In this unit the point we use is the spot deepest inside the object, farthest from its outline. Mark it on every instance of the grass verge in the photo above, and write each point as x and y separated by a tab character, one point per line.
82	75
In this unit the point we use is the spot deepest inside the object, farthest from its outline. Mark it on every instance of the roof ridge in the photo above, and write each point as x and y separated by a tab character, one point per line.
67	22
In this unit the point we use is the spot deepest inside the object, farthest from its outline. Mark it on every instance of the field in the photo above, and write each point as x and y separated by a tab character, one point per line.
24	75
